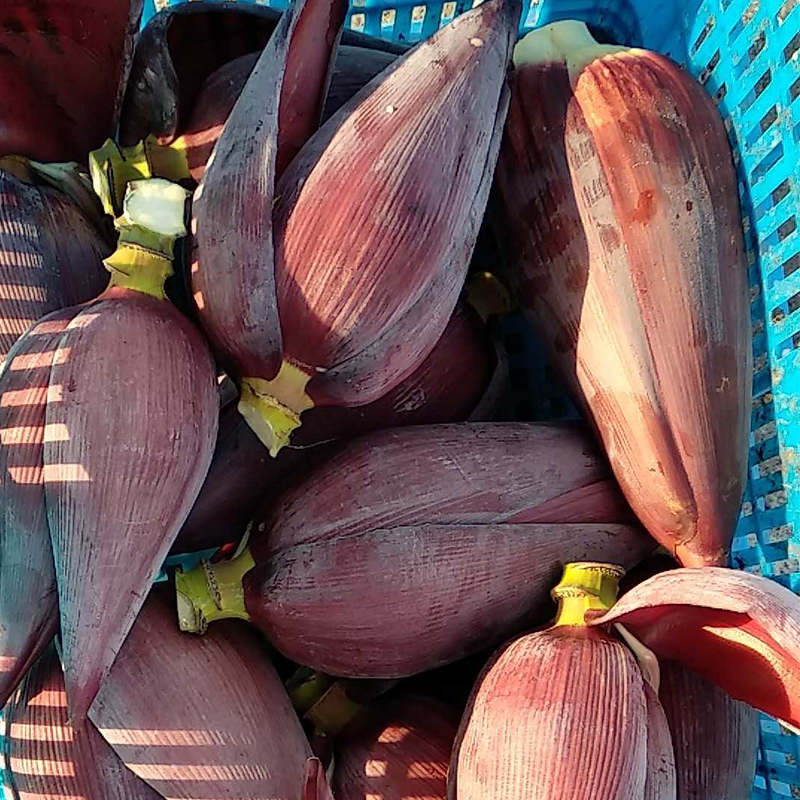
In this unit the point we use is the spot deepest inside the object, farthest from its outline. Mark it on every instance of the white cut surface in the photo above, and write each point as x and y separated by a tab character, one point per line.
156	204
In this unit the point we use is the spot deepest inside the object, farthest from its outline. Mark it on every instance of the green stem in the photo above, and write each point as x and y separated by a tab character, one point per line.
212	591
151	222
584	586
113	167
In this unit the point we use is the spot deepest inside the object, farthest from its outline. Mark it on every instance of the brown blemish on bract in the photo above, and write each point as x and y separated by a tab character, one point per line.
609	237
645	207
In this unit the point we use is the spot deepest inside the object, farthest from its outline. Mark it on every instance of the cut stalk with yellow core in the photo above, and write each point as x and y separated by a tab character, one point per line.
585	586
166	161
151	222
135	268
273	408
212	591
113	167
305	686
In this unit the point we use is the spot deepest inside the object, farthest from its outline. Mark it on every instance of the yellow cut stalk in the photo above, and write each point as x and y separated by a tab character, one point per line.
272	408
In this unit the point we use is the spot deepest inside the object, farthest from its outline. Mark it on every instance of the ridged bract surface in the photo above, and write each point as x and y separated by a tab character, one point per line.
394	187
417	546
354	67
739	631
132	417
661	783
445	591
232	260
560	714
176	52
451	385
201	716
50	256
185	44
622	228
28	594
399	749
64	65
715	736
47	759
471	474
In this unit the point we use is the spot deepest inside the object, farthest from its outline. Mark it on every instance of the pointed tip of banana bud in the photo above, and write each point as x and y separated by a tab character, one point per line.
79	701
495	18
84	673
504	12
689	557
512	9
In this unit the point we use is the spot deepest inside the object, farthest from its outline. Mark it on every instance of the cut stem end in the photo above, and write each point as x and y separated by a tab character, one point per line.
113	167
323	701
273	408
212	591
151	222
488	296
585	586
